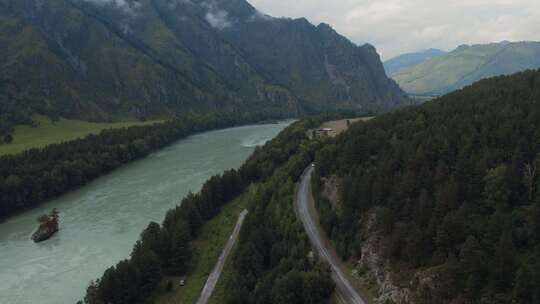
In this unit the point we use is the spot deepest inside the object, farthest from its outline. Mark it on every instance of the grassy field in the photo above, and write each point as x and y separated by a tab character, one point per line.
46	133
206	250
339	126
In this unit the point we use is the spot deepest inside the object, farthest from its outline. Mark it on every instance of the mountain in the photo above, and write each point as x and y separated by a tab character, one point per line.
410	59
468	64
440	202
111	59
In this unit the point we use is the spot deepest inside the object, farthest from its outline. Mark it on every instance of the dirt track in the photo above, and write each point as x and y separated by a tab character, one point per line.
216	272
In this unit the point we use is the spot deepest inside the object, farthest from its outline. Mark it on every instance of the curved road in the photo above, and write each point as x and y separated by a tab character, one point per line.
218	268
305	209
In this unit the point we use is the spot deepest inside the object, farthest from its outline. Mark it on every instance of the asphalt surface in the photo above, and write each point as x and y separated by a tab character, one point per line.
305	209
218	268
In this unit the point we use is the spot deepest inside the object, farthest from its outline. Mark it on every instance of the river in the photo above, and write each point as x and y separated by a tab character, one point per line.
100	222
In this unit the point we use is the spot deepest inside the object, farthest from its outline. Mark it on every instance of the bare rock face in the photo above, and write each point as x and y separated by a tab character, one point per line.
48	226
44	232
400	284
378	268
330	190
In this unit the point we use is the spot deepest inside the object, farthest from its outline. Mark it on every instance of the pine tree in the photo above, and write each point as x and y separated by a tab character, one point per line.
471	265
181	251
446	199
535	220
423	209
150	268
450	233
496	191
128	278
503	268
471	257
523	289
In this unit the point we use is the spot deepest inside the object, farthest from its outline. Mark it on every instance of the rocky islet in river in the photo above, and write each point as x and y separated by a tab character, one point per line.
48	226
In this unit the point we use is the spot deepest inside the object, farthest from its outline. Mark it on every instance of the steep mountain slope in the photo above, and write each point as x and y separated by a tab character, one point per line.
468	64
95	61
325	69
109	59
400	62
440	203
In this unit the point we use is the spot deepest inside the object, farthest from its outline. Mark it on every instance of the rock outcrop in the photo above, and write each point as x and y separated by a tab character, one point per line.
47	228
44	232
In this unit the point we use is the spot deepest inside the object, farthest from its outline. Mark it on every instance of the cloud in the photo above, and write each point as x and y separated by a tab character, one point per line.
398	26
259	16
216	17
128	7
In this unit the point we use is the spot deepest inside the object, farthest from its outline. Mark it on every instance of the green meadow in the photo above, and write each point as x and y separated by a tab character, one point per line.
47	132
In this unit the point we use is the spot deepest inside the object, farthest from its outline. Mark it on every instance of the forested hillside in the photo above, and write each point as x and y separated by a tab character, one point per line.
110	60
166	249
444	198
272	263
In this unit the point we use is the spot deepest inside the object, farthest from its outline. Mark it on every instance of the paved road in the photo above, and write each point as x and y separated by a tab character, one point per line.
218	268
305	209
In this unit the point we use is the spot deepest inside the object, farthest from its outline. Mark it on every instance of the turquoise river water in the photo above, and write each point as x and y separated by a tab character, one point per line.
100	222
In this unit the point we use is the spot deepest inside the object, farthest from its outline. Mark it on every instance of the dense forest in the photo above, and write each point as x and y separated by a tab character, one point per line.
29	178
13	110
454	188
272	263
166	248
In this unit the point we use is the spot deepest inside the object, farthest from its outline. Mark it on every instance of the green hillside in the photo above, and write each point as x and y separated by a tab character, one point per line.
468	64
442	200
108	60
393	65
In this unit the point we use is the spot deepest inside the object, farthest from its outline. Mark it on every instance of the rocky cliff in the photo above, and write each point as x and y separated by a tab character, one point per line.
109	59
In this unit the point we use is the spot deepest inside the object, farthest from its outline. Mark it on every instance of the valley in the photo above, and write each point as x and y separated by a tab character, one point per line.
266	152
101	221
155	59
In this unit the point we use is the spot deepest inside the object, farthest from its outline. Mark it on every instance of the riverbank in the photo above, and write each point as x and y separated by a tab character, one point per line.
67	166
102	220
169	247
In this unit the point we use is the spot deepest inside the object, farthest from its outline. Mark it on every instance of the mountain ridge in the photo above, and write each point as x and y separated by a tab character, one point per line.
104	60
406	60
468	64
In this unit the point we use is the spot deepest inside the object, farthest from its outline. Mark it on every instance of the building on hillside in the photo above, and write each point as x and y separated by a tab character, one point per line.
321	132
325	131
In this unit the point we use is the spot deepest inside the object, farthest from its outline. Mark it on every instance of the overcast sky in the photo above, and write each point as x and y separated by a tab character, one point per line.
399	26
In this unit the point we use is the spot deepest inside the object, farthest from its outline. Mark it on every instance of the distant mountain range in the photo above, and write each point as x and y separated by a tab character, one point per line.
467	64
410	59
110	59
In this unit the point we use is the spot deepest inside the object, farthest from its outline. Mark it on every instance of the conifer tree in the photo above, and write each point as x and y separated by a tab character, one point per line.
181	251
503	267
